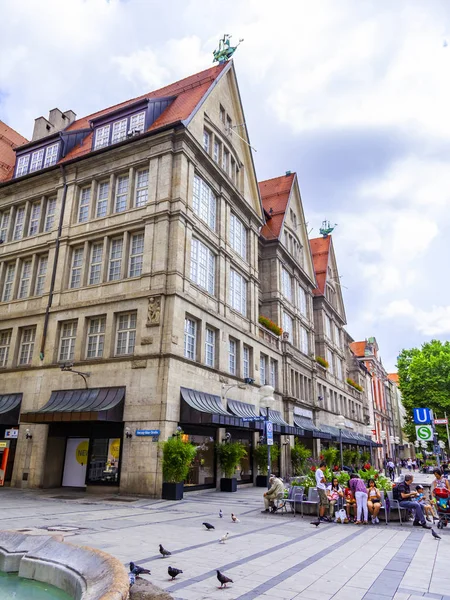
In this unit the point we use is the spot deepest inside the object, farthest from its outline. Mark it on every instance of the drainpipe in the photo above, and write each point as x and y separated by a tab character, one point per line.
55	263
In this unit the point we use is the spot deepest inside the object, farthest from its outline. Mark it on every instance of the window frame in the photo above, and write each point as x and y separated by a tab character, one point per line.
35	219
84	204
76	267
263	368
232	356
204	202
210	347
19	225
190	338
51	155
115	260
41	275
141	189
286	284
5	345
130	333
23	163
98	263
96	336
27	345
238	297
246	361
238	236
69	335
122	205
101	203
37	159
119	131
50	214
273	372
203	266
5	221
138	256
288	325
25	279
8	282
102	135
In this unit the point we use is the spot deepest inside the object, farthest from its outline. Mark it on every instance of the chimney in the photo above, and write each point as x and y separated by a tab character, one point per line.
57	121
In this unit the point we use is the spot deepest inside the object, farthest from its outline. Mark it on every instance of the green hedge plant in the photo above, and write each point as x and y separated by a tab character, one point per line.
299	457
229	456
260	456
177	458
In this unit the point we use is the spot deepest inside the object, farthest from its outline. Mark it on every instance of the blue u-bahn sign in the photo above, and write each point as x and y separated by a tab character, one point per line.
422	416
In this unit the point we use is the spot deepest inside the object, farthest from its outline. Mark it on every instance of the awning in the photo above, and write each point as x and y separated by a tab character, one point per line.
274	416
97	404
311	429
10	408
201	408
347	437
242	409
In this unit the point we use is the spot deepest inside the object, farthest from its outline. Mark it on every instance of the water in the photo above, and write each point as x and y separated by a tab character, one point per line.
13	587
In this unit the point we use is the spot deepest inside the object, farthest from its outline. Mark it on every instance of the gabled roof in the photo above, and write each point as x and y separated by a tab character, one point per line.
393	377
358	349
275	196
320	248
9	139
187	94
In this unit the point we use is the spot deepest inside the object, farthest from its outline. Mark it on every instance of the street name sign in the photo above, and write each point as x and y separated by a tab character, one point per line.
422	416
441	421
249	419
148	432
269	433
424	433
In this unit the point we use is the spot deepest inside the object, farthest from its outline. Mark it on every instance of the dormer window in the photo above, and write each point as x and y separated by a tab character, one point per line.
51	155
119	130
41	158
22	165
36	160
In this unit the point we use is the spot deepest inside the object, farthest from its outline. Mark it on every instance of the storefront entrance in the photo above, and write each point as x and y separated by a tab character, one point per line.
75	463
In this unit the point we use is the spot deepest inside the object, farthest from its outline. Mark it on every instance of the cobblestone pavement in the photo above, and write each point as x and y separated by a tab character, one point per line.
275	556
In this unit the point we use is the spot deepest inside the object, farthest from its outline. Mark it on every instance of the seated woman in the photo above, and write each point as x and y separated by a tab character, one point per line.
373	501
334	495
440	482
350	505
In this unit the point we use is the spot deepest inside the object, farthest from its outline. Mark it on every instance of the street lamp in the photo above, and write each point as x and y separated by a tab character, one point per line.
369	431
383	436
340	422
266	394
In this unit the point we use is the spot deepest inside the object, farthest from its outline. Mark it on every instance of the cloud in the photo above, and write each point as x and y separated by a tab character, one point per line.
430	322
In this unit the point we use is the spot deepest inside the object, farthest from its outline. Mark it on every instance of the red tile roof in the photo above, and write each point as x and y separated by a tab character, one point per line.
358	348
320	249
275	195
393	377
9	139
187	93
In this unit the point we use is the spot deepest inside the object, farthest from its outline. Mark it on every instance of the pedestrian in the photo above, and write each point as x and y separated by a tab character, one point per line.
409	464
414	465
359	490
374	501
407	498
321	490
276	490
391	469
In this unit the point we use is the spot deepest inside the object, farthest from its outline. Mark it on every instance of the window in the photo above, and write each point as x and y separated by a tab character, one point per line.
238	236
216	151
246	362
302	301
35	217
288	326
36	160
339	369
225	160
18	227
126	334
77	265
137	123
85	201
22	165
204	202
4	225
95	268
51	155
115	259
119	131
263	369
329	357
136	255
41	274
286	284
202	266
238	292
337	336
25	276
222	114
232	349
121	193
210	347
67	340
304	345
190	338
102	137
27	345
273	373
206	141
50	214
141	188
8	284
102	199
96	337
327	327
5	342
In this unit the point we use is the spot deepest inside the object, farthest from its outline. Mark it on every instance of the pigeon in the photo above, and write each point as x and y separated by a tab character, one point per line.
435	535
316	523
164	552
173	572
138	571
234	518
223	579
131	578
220	513
224	538
208	526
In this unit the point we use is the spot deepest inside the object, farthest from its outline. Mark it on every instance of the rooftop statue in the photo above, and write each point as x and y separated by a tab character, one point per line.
225	51
326	228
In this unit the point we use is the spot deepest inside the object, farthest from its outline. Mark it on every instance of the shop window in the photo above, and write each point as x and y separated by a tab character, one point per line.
202	470
104	461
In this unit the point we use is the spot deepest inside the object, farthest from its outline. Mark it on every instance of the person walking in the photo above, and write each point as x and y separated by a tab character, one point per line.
356	484
374	501
391	469
322	491
409	464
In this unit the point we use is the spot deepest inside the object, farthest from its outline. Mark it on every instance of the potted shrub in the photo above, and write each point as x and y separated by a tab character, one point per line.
177	458
299	456
260	456
229	456
330	456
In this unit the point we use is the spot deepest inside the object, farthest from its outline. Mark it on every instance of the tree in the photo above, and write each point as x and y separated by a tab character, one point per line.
424	380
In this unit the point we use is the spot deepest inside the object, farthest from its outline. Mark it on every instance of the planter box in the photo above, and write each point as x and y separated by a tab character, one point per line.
261	481
172	491
228	485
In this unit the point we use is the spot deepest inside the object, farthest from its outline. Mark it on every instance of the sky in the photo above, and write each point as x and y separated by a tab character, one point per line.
353	96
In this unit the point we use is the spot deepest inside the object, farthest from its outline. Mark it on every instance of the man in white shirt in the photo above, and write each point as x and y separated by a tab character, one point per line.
321	489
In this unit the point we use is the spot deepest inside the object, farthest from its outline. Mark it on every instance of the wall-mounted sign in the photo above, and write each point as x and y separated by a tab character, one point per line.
424	433
422	416
148	432
11	434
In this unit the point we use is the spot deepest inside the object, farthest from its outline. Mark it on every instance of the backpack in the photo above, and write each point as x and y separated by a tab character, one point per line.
395	493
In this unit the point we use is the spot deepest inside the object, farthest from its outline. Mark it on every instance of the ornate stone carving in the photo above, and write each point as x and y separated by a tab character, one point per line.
138	364
146	341
154	311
